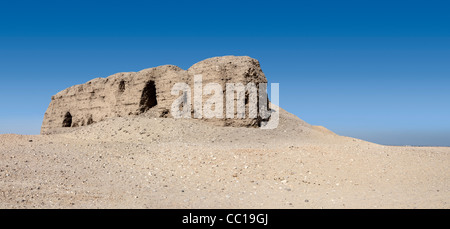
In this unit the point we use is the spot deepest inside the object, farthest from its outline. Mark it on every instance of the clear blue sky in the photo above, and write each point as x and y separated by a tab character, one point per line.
375	70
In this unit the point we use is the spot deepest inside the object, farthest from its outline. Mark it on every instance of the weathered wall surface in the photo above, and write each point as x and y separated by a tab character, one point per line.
147	92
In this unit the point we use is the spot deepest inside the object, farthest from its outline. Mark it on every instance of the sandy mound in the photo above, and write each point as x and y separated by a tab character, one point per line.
142	129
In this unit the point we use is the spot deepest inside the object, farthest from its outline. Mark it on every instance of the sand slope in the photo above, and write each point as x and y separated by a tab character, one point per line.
138	162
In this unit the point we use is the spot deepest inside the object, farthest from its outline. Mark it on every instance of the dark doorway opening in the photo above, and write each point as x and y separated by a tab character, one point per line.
122	86
67	122
148	98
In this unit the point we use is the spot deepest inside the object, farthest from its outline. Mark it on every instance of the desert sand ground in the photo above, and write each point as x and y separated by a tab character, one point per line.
141	162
